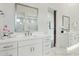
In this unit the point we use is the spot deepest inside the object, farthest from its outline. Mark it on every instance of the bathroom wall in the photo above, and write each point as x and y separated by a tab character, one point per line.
72	37
62	9
43	14
69	38
62	41
8	17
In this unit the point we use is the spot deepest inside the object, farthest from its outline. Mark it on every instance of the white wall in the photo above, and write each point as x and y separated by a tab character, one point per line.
70	10
66	9
43	14
8	18
62	9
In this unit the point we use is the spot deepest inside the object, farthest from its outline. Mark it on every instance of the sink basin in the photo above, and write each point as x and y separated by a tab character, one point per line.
38	35
16	35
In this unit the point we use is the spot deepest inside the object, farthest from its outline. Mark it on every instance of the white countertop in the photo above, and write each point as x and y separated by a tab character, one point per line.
21	37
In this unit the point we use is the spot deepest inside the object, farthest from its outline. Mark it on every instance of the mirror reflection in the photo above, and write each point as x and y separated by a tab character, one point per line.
26	18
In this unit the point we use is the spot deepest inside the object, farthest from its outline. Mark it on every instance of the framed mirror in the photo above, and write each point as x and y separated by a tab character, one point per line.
26	18
66	23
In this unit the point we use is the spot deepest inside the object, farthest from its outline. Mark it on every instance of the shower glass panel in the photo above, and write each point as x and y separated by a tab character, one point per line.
51	25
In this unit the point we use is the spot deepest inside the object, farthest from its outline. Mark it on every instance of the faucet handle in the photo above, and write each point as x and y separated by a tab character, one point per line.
31	33
25	34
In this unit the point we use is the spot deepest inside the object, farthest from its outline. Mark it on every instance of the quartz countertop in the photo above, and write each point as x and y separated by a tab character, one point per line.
22	37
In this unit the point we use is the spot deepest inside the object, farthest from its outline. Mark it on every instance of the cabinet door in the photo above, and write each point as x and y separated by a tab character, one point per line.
37	50
25	51
12	52
46	47
31	50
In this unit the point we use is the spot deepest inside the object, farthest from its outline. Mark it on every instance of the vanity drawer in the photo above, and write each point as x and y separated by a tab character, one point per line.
11	52
29	42
47	46
46	52
8	45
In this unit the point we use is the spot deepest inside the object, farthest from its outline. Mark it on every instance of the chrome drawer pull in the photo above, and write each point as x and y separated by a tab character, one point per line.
8	46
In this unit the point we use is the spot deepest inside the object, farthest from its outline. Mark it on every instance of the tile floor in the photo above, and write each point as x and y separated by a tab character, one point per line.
58	52
64	52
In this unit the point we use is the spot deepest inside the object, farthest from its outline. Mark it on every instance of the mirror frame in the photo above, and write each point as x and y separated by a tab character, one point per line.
16	13
68	25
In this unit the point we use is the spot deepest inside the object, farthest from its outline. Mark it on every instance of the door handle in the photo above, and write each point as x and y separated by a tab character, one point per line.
62	31
8	46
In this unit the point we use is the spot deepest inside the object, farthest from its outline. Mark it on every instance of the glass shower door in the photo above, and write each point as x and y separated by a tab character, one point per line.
51	25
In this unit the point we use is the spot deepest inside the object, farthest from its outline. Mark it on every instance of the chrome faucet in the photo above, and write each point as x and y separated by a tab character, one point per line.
28	33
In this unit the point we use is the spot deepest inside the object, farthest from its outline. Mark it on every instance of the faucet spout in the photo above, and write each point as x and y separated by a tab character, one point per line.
28	33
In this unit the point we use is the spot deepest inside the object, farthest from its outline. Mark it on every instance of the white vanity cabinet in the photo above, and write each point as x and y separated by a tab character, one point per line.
12	52
8	49
30	48
46	46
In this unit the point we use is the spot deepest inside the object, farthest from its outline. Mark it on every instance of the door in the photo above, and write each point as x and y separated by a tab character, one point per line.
65	32
63	41
52	26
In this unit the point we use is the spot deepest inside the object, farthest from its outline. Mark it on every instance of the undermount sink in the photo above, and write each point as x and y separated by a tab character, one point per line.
22	35
17	35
